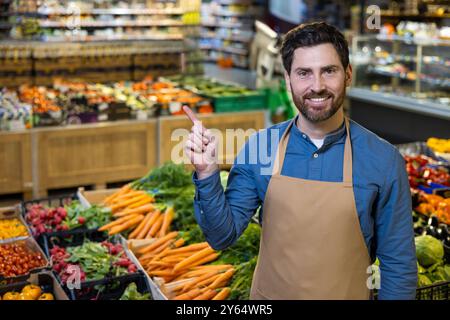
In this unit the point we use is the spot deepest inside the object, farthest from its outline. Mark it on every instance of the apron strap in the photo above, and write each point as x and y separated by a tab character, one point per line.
347	174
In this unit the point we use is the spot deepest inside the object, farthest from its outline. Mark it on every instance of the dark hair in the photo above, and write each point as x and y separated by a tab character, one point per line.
312	34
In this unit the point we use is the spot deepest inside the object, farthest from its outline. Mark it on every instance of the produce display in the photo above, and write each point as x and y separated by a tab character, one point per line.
439	145
44	219
14	111
95	260
17	259
182	262
12	228
430	204
424	173
28	292
79	102
431	264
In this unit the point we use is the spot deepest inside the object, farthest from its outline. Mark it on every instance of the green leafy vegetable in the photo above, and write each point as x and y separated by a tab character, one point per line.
131	293
91	218
429	250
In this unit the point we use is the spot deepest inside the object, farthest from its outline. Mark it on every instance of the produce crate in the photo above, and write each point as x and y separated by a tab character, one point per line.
156	291
254	101
439	291
418	148
56	201
44	279
110	286
32	245
13	213
89	198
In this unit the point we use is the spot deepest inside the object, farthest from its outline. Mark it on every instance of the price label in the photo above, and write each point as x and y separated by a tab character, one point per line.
175	107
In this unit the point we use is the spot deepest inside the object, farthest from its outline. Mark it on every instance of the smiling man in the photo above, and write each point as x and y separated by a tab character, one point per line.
337	196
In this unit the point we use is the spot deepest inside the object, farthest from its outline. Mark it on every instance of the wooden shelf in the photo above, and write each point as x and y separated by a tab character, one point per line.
102	24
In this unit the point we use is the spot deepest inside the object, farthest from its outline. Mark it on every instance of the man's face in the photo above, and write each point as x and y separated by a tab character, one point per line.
318	81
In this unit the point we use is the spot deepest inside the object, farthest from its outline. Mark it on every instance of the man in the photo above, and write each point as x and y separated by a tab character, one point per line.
337	196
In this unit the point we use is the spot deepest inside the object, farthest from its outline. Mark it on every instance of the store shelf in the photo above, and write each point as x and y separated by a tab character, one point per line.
228	38
415	41
104	24
428	60
425	107
225	25
115	11
234	2
116	38
415	15
437	82
233	14
239	51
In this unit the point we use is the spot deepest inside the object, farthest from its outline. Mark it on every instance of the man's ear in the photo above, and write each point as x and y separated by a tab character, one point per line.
348	76
288	81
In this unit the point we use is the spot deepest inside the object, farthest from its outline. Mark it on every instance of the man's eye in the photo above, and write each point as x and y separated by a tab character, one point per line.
330	71
303	74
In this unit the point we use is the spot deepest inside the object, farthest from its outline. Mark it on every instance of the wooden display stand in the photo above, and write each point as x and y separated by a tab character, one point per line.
15	163
35	161
93	154
170	140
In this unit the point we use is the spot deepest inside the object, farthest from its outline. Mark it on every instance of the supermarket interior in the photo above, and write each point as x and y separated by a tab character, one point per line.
96	202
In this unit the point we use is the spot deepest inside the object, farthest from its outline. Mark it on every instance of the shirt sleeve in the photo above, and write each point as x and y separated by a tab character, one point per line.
223	216
394	235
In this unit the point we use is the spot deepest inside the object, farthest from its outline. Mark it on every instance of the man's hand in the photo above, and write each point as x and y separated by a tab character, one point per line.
201	147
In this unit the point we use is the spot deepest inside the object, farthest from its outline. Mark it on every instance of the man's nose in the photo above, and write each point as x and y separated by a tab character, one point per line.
318	84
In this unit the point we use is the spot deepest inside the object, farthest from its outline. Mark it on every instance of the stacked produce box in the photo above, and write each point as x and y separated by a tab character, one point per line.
77	102
429	179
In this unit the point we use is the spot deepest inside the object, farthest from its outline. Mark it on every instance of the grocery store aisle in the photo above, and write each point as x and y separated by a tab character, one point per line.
241	76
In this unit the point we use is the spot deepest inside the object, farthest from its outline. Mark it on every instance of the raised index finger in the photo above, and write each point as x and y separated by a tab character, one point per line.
190	114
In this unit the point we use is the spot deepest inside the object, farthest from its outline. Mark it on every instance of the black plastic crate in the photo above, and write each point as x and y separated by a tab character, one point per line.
111	288
55	201
439	291
91	289
45	280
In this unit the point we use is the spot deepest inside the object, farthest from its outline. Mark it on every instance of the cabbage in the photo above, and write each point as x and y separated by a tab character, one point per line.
429	250
423	281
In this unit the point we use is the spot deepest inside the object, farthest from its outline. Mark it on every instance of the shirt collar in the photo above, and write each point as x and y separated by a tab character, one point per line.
330	138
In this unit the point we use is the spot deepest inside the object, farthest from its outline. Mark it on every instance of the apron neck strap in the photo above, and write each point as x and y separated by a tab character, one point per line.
348	161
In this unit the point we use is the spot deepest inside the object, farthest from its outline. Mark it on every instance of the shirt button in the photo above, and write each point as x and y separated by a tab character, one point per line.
304	136
316	155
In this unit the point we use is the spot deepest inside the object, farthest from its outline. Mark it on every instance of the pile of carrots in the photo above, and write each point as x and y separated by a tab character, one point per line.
182	268
134	211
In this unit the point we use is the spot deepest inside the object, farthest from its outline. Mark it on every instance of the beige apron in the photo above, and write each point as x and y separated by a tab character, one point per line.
311	246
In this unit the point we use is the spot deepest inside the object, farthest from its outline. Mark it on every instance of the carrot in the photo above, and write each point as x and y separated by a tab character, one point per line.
211	257
194	258
172	246
223	294
142	209
163	273
139	227
116	222
121	191
156	226
146	200
148	225
189	295
126	225
158	242
192	247
212	267
126	203
127	196
223	277
200	279
207	295
168	217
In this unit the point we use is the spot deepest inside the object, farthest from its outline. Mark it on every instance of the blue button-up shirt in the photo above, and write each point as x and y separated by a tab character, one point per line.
380	183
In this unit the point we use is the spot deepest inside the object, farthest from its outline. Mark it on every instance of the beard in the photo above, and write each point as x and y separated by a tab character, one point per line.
313	115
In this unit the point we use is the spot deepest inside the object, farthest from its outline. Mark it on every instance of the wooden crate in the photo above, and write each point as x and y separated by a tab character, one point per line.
93	154
171	142
15	163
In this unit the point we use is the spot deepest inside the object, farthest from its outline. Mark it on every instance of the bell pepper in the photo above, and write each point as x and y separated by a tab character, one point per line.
46	296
